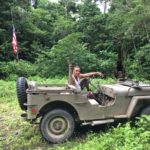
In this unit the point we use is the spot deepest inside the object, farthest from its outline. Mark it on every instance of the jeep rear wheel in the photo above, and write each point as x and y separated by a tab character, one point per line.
21	86
57	126
145	111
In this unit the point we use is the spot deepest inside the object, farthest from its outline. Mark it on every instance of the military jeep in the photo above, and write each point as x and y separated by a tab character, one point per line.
60	107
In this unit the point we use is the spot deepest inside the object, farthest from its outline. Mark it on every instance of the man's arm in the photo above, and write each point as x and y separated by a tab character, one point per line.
85	75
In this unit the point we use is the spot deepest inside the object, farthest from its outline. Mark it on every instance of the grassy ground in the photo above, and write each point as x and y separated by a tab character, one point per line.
16	134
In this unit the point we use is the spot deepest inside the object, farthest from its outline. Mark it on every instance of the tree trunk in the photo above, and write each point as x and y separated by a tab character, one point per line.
147	35
70	72
132	36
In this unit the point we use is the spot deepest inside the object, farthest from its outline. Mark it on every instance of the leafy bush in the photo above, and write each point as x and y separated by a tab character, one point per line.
143	61
12	69
139	66
122	137
107	62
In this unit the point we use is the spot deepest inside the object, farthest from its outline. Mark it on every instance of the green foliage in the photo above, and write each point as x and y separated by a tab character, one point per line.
10	70
88	9
70	48
18	134
63	27
123	137
143	61
7	91
140	64
67	48
46	29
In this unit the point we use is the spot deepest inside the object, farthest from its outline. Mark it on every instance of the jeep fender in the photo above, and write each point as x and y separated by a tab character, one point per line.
134	103
59	105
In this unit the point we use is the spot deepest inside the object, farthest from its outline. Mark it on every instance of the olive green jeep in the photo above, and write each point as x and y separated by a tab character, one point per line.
60	107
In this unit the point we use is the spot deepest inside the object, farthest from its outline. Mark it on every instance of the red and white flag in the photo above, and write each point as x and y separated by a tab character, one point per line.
14	41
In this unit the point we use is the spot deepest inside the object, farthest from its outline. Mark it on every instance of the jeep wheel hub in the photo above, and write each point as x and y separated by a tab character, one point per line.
57	125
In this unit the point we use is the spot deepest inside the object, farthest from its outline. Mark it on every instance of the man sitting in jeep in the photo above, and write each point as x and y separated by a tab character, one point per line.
77	76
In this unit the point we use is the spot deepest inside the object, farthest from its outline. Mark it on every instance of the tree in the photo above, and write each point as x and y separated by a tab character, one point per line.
130	27
69	6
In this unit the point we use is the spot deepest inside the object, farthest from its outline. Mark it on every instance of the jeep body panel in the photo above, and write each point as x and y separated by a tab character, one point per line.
134	106
84	109
127	98
42	95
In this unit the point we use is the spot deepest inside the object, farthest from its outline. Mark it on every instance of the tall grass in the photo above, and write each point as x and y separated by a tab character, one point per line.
16	134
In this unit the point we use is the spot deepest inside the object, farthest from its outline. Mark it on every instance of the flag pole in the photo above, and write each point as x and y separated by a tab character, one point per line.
17	56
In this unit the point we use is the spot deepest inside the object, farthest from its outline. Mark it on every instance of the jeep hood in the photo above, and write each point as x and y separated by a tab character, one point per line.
126	90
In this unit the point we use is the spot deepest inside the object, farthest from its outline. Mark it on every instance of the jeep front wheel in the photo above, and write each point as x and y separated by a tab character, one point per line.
145	111
57	126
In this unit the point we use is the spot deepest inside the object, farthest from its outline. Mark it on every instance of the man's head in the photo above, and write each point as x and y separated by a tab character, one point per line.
76	71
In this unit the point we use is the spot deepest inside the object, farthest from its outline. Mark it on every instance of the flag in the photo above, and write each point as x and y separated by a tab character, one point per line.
14	41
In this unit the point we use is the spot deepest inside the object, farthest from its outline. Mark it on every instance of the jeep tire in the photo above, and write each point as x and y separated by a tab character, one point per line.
57	126
21	86
145	111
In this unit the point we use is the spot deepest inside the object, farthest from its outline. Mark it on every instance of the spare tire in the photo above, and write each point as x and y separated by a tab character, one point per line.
21	86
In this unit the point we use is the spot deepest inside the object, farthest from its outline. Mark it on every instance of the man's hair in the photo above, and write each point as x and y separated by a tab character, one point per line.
75	67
